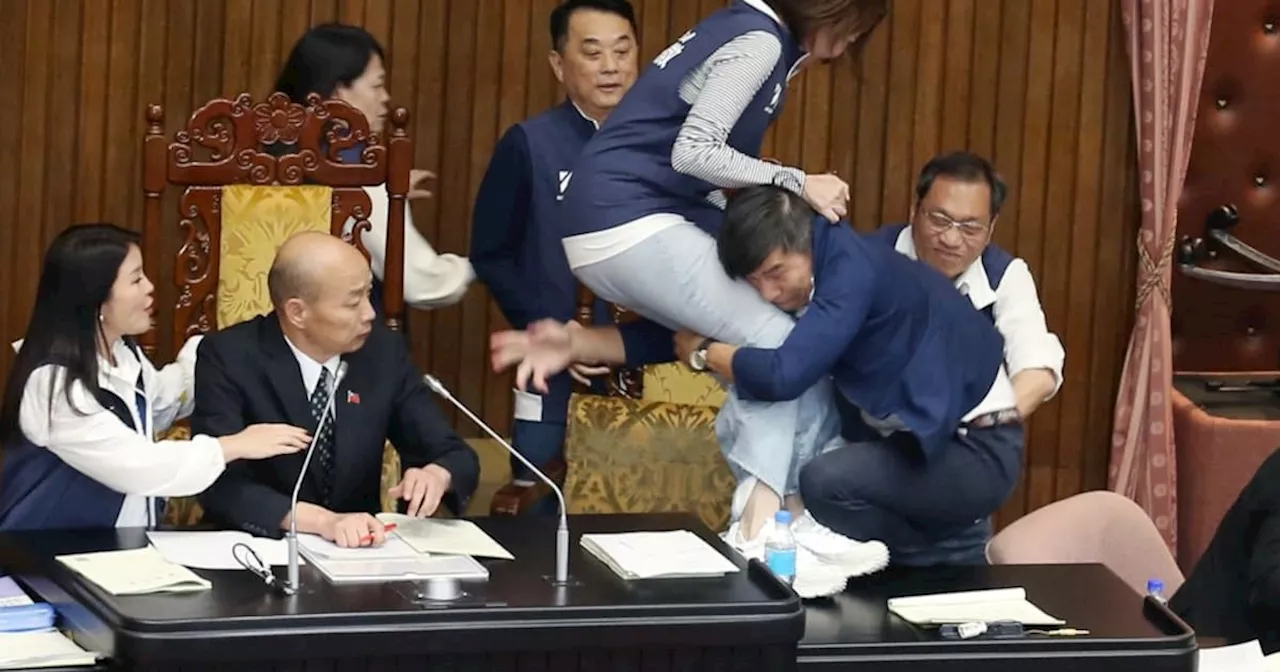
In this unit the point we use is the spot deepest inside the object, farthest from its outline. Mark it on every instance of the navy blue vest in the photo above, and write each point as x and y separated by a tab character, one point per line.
625	172
556	138
38	491
995	261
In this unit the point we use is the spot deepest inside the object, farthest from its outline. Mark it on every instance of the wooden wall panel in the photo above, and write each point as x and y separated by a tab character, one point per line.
1040	86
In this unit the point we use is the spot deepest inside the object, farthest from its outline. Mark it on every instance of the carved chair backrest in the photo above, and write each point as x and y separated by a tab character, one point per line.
274	152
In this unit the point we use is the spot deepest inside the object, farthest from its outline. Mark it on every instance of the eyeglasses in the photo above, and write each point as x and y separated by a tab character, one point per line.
941	223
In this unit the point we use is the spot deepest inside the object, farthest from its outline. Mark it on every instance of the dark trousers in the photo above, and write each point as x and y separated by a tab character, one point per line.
539	442
926	511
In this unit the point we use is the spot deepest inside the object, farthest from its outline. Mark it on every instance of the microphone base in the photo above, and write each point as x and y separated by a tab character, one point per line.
569	582
439	590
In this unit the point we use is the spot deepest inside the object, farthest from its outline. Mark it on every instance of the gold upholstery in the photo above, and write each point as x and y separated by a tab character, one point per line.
678	384
256	220
636	456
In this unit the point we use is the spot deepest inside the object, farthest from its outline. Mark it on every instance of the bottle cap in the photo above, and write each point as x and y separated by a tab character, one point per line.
1155	586
783	516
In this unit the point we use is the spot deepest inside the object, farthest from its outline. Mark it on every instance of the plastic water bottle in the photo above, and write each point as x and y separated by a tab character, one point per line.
780	548
1155	588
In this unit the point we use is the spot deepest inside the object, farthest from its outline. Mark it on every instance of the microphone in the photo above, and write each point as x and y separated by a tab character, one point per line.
562	532
291	585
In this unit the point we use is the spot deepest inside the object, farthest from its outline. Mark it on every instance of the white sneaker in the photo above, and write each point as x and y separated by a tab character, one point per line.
752	549
816	577
740	495
854	558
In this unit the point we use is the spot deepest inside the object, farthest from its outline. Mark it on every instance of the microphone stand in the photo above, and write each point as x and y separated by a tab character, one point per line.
291	584
562	532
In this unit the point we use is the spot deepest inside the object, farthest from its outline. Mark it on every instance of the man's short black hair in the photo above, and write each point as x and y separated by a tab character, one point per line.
962	167
564	11
761	220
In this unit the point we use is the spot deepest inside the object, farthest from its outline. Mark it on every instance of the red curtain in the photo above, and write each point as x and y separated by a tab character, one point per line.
1167	41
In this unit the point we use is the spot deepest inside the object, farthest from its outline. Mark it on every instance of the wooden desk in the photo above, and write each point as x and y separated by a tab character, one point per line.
515	621
1128	633
518	621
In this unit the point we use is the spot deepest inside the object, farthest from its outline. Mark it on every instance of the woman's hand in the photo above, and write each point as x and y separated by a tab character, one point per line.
828	195
417	183
257	442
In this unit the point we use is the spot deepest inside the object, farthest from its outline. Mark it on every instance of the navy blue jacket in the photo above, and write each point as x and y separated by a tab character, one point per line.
625	172
517	228
894	334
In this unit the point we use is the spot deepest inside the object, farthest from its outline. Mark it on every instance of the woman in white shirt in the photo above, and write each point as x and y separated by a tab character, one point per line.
347	63
82	404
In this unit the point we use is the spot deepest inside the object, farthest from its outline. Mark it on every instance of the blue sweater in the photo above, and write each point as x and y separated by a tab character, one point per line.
894	334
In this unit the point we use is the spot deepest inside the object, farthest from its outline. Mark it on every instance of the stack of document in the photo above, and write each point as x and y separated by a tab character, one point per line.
394	560
1001	604
1246	657
135	571
657	555
451	536
11	594
47	648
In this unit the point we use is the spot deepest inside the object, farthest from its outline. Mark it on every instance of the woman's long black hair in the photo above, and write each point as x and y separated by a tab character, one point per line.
79	270
326	57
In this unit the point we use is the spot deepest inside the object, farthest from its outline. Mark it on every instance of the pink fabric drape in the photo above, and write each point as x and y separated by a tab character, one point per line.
1167	41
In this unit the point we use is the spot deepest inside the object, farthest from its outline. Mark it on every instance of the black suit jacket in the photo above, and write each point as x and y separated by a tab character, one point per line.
1234	590
247	374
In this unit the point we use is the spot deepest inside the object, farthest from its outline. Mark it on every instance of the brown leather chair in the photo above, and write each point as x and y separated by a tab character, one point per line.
1226	307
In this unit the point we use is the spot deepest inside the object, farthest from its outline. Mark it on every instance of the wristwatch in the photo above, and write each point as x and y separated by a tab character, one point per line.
698	360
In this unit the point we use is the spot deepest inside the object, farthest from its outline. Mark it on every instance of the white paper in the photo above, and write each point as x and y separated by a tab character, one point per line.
46	648
446	536
216	550
391	549
1002	604
650	555
1245	657
134	572
528	406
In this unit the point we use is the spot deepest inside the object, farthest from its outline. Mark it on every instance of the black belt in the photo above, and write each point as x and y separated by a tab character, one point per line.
1008	416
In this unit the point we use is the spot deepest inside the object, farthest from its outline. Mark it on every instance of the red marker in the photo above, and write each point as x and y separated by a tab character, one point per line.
369	537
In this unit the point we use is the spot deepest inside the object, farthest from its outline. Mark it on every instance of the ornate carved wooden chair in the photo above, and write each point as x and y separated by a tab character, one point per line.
251	175
650	444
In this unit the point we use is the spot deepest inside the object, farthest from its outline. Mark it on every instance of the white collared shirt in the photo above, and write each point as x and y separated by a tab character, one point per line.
310	368
96	443
1015	304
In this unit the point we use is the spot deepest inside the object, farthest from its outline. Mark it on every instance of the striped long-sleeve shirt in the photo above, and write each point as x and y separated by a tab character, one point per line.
718	91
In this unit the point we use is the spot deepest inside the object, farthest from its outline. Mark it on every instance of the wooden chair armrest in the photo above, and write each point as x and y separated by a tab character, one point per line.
517	497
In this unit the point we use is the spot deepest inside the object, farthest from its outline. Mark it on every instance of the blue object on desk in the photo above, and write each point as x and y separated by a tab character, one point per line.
38	616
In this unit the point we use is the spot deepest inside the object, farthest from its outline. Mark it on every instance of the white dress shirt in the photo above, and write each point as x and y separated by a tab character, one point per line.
1028	343
310	368
430	279
93	441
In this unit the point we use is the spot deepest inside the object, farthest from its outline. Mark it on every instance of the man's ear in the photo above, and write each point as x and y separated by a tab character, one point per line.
557	65
295	311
